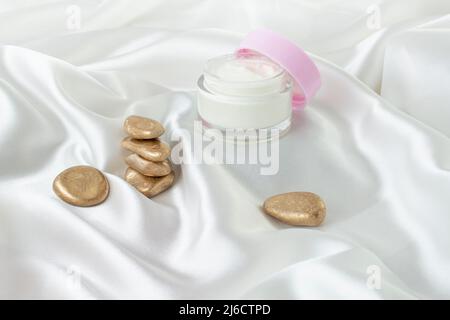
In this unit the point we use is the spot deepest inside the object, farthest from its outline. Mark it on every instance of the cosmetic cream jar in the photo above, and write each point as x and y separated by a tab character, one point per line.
244	92
256	87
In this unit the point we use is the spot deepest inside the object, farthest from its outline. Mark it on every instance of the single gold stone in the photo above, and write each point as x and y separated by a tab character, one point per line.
81	186
149	186
148	168
297	208
153	150
142	128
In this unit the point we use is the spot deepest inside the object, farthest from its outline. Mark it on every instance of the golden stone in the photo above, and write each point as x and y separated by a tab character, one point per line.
142	128
296	208
153	150
148	168
149	186
81	186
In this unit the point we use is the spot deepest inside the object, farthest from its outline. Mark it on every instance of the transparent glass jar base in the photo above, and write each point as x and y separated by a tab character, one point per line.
237	135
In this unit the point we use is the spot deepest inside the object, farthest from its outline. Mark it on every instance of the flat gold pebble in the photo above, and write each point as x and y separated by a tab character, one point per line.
81	186
153	150
148	168
296	208
149	186
142	128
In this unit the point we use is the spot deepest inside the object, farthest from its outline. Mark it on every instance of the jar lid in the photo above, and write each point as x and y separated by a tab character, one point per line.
294	60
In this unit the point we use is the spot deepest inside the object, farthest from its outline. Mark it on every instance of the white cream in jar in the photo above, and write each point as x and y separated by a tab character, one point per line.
245	92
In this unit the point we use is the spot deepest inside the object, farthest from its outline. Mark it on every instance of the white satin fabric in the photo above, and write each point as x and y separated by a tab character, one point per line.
374	144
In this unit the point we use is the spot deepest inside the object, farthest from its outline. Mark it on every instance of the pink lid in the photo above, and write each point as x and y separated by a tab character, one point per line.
294	60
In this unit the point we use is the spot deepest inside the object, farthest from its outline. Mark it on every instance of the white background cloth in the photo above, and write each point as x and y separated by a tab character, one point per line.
374	144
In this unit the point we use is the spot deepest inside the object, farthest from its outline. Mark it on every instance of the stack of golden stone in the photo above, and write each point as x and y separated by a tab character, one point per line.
149	169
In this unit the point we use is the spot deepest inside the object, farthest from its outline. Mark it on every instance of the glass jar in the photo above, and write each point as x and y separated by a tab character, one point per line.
244	91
